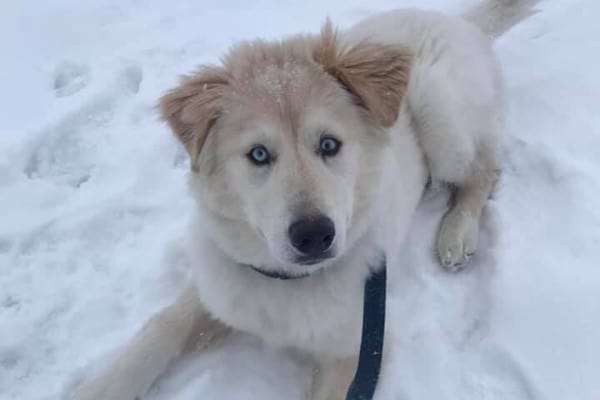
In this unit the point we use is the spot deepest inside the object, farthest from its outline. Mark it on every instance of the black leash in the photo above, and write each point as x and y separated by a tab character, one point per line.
371	345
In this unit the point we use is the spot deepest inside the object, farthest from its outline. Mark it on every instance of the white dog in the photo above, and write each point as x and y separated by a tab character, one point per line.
308	157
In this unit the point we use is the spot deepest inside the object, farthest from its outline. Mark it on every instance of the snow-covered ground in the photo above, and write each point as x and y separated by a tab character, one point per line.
92	195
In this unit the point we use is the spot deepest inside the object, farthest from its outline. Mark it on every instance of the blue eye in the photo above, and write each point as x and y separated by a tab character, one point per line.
259	155
329	146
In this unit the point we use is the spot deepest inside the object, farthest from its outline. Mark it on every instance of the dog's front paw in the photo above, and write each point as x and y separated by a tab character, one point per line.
457	239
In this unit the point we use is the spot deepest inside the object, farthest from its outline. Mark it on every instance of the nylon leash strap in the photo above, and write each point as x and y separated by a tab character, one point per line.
371	344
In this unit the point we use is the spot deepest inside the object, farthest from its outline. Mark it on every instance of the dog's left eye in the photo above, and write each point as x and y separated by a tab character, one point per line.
329	146
259	155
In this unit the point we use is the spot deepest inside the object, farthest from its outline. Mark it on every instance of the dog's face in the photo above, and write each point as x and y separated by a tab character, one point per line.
288	164
286	144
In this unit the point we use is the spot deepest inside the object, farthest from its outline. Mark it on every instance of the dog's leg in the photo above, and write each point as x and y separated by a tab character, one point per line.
459	232
331	379
150	352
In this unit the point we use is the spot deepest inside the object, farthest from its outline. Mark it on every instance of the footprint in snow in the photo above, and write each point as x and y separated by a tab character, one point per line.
70	78
130	79
68	151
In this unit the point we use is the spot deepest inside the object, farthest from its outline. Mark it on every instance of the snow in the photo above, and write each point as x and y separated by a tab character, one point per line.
93	200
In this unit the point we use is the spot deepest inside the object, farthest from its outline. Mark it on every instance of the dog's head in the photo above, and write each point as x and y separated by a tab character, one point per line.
286	142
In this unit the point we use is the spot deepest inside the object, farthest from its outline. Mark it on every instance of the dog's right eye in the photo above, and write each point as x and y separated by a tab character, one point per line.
259	155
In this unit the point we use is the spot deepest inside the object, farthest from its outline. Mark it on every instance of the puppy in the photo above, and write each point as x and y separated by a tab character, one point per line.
308	157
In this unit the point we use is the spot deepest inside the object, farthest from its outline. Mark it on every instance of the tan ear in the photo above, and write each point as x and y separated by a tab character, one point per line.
192	108
376	74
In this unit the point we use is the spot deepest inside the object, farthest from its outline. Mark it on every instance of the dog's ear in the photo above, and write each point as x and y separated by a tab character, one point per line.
192	108
376	74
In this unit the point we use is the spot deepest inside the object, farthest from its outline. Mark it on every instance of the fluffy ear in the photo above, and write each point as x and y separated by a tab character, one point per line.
192	108
376	74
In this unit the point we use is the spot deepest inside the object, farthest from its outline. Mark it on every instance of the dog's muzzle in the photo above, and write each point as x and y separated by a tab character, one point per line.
312	237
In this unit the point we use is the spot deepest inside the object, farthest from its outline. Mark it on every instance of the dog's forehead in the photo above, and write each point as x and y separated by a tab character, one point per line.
287	95
279	83
281	87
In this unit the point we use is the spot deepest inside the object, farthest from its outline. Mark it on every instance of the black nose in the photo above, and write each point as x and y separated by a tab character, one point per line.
312	236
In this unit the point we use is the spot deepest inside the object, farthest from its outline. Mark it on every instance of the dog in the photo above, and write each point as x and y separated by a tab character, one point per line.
308	158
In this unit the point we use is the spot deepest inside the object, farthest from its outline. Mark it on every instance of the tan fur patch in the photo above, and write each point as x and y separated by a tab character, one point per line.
193	106
377	74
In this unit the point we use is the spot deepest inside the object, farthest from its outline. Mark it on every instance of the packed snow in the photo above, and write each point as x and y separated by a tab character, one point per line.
93	201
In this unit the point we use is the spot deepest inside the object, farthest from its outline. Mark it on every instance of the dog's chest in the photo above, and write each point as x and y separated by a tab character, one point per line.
320	314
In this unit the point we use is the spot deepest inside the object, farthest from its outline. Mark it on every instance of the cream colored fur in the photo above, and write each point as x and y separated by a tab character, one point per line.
412	95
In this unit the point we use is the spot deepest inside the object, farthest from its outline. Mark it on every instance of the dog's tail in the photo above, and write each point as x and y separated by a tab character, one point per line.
494	17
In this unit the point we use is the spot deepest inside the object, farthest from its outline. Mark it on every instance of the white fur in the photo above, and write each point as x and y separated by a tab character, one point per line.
454	96
448	129
320	313
455	90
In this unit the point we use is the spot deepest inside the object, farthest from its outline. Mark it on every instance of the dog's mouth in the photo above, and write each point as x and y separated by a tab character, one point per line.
281	275
315	265
311	260
290	260
298	267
